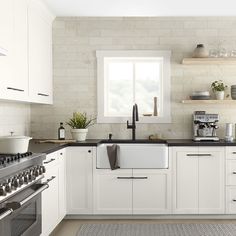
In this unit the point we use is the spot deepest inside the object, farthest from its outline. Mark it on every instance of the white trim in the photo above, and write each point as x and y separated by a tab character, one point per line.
166	86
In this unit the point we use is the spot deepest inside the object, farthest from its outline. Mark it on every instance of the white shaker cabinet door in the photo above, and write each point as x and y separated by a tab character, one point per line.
6	43
79	171
16	86
211	180
50	200
185	180
40	53
113	192
151	192
62	183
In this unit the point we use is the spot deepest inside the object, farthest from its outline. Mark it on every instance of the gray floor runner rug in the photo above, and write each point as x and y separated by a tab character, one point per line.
157	230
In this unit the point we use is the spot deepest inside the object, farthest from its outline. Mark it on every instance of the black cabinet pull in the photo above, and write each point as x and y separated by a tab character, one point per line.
233	152
144	177
16	89
124	177
234	173
46	162
43	94
89	151
199	155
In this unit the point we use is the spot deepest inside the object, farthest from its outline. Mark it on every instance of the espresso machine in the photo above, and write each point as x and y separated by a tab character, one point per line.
205	126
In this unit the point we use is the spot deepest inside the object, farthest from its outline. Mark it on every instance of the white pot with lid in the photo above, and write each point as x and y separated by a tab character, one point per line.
14	144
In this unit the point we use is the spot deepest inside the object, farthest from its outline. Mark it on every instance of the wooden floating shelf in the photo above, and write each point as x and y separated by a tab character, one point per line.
209	61
233	102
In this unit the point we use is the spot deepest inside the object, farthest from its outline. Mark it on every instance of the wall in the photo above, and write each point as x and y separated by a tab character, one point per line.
14	117
75	41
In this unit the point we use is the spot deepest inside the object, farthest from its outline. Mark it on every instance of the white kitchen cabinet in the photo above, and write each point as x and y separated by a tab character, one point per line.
6	43
40	53
16	84
62	183
132	191
50	197
151	192
198	180
113	192
79	179
53	198
6	23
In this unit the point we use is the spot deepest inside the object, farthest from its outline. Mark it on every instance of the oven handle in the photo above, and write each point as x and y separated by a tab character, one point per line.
45	186
6	213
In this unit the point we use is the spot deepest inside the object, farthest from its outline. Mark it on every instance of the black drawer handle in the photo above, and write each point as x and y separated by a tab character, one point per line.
233	152
234	172
199	155
124	177
89	151
46	162
43	94
234	200
145	177
16	89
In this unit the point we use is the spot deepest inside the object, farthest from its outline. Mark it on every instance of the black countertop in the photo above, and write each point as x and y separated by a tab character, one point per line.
47	148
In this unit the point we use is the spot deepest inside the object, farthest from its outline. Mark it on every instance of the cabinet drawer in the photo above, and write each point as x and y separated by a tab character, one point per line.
231	172
231	200
231	153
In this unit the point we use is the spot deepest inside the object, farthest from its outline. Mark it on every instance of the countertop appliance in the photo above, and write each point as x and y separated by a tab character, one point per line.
20	193
204	126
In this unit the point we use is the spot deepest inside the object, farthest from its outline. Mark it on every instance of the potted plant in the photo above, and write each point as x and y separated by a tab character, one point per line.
218	88
79	124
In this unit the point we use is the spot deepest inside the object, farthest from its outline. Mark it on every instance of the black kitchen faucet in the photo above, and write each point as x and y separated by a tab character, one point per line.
134	119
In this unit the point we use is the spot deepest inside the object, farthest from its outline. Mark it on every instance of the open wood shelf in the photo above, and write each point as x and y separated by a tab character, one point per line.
209	61
188	101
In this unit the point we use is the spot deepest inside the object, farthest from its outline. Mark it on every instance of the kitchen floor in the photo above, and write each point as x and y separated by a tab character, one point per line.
71	227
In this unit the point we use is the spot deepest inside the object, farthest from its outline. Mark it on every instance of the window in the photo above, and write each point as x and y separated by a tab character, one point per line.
128	77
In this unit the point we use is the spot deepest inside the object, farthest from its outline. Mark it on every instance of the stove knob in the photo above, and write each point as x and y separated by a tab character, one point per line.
43	169
30	153
15	182
36	172
8	188
2	191
26	178
20	179
18	155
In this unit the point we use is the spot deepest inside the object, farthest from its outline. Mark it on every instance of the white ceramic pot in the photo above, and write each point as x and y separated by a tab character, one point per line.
14	144
220	95
79	134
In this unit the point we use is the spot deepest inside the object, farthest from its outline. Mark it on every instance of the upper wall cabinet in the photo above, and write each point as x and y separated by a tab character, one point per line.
25	51
40	53
15	83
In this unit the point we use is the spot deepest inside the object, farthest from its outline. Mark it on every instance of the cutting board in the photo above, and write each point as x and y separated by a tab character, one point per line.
57	141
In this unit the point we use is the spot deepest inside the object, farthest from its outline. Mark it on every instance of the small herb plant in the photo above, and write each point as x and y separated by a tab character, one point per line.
80	121
218	86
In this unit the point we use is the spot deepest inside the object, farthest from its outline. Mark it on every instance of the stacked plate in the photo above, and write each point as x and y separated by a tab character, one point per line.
201	95
233	92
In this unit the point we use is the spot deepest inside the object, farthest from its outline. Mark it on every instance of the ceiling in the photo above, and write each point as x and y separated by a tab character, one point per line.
142	7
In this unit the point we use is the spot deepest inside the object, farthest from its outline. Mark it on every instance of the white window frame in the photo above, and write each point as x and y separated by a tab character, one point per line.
166	85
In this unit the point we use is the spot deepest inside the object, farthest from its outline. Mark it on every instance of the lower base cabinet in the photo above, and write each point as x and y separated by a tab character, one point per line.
198	180
53	198
79	181
130	192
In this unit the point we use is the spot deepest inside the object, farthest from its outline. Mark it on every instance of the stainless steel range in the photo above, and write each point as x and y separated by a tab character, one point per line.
20	194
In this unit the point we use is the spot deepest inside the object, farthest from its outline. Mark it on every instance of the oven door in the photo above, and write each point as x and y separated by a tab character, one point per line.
21	215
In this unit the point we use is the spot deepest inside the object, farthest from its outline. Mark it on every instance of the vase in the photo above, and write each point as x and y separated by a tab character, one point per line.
200	51
220	95
79	134
155	113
